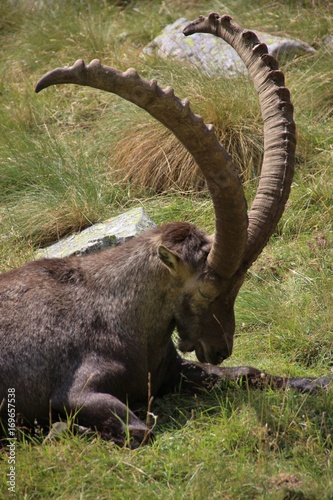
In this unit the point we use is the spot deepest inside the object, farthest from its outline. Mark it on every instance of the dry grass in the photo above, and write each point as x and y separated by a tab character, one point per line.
148	156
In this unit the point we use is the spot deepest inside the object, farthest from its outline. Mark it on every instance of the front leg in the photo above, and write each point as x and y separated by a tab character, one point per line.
96	403
196	376
107	415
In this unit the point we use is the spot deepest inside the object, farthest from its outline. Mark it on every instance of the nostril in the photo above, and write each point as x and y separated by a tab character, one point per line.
220	357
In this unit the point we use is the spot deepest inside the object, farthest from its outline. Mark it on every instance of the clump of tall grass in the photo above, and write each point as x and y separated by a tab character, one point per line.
148	155
151	157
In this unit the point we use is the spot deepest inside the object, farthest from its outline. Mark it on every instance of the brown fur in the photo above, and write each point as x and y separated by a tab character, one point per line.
76	327
81	334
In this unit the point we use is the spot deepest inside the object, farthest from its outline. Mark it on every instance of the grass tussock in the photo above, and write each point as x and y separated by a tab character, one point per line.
149	156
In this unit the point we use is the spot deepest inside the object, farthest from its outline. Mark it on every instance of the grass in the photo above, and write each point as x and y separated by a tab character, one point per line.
232	443
72	156
149	156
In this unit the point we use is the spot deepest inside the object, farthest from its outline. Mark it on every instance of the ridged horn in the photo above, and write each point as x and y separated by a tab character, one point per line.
279	129
221	174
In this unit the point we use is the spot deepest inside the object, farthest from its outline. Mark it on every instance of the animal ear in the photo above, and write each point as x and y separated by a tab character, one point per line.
170	259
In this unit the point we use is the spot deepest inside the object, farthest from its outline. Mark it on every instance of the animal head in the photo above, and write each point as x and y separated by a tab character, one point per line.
204	312
212	269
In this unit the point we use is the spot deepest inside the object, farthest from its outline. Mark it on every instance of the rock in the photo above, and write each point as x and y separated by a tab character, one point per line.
110	233
213	55
328	42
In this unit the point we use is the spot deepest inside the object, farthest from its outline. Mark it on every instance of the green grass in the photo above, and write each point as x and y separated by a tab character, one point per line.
59	172
232	444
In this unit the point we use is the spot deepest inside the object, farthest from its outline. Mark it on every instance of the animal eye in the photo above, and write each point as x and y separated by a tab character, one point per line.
203	295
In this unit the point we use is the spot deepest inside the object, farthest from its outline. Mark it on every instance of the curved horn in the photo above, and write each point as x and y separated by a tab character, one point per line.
221	174
279	128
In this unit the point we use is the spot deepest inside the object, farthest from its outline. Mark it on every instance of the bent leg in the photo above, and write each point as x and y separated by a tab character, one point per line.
196	376
109	416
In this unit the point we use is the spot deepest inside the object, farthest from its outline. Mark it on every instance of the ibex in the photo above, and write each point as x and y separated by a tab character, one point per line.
83	334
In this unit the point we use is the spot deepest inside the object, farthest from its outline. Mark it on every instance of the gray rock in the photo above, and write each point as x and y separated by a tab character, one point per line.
213	55
328	41
110	233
